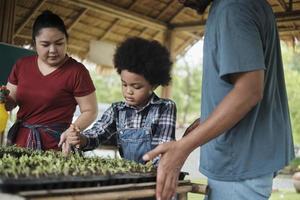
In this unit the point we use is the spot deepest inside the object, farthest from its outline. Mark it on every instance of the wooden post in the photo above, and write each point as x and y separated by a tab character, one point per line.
168	42
7	17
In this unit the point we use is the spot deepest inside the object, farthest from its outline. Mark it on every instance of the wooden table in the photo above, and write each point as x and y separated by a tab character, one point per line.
126	191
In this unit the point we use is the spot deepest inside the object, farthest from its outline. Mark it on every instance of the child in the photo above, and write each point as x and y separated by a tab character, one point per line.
142	120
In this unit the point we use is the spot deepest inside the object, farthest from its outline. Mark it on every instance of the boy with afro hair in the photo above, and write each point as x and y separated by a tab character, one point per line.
143	120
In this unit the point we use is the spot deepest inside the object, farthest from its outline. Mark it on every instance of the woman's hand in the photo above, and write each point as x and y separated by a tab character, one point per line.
4	92
71	137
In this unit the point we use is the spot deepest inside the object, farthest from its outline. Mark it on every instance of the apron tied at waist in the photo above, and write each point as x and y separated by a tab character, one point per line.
34	139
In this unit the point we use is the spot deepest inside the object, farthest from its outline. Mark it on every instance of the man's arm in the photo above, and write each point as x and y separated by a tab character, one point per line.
246	93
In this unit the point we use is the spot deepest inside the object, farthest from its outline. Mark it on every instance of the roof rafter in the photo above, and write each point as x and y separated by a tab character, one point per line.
120	13
189	27
115	23
159	16
282	5
27	19
193	27
82	13
186	32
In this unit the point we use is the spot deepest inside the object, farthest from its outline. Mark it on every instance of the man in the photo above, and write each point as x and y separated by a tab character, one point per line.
245	131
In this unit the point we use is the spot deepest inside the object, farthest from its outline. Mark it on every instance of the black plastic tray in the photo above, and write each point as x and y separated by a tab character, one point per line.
11	185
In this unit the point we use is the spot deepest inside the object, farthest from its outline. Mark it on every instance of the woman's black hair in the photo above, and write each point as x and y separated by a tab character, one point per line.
48	20
144	57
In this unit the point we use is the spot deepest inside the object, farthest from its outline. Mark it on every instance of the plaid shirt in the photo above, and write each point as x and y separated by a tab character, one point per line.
163	122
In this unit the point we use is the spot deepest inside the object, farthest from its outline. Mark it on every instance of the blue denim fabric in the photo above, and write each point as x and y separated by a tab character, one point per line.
135	142
259	188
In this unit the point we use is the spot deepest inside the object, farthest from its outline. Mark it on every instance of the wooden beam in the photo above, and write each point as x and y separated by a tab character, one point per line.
82	13
120	13
190	27
166	91
187	32
162	13
27	37
32	13
199	26
287	31
282	5
287	16
115	23
184	45
290	8
7	20
159	16
177	13
193	35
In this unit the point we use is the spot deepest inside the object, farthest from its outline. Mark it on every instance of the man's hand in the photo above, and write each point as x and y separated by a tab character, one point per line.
171	161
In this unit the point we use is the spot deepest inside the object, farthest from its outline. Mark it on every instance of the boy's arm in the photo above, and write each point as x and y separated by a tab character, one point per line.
101	131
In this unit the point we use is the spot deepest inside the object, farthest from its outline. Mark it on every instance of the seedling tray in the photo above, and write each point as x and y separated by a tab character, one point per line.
11	185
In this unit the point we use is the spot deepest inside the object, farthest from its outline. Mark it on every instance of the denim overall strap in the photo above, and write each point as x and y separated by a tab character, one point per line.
34	139
148	121
120	127
122	121
135	142
149	117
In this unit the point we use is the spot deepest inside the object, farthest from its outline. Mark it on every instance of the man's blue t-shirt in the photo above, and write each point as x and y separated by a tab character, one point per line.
241	36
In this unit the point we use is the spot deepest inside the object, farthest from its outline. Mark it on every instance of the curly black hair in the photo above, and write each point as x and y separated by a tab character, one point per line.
144	57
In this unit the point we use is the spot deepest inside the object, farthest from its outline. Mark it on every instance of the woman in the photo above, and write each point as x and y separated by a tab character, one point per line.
47	87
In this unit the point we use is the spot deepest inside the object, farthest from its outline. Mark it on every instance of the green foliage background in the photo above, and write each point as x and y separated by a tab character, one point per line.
291	62
186	88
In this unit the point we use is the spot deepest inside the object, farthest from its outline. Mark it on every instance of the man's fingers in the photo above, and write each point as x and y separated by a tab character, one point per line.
160	149
160	182
170	186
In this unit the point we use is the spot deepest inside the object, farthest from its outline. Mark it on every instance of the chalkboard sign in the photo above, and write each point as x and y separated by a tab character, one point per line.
9	54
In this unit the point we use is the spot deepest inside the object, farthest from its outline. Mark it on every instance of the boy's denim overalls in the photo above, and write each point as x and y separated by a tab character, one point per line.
135	142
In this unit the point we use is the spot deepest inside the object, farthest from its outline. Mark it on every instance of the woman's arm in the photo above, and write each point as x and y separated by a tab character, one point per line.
89	110
89	139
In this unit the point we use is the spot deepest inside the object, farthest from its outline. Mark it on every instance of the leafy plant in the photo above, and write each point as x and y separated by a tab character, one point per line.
26	163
